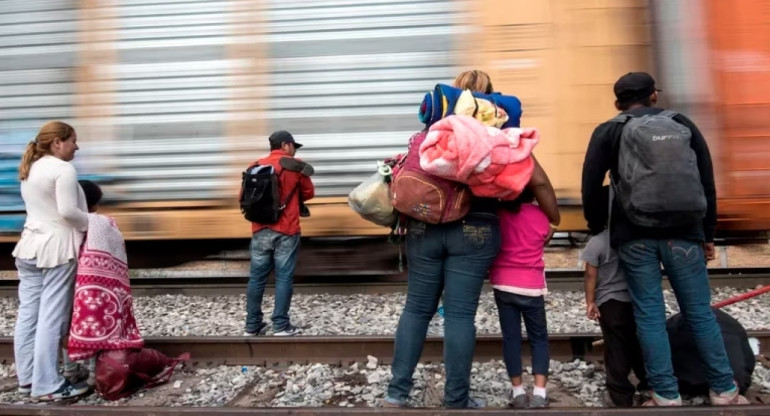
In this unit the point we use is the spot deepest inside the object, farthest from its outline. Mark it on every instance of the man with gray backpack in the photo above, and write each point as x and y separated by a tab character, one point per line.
662	210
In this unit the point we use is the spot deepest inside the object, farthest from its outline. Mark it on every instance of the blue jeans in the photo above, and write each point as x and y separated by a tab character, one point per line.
511	308
686	268
270	248
45	310
452	258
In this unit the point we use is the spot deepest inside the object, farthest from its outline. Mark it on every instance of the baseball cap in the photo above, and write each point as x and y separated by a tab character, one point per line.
634	86
283	136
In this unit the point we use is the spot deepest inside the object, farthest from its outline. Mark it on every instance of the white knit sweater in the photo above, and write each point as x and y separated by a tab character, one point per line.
57	214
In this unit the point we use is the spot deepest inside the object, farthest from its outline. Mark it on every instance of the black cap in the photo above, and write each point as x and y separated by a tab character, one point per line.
634	86
283	136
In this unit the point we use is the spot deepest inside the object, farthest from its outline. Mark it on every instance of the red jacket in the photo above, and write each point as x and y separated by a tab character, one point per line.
288	223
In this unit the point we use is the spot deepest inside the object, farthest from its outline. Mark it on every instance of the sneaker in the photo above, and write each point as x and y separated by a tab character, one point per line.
391	402
476	403
66	391
261	330
288	332
728	397
519	402
25	389
538	401
657	400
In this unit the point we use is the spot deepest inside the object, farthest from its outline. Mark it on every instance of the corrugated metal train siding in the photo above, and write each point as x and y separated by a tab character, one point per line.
346	77
170	96
37	56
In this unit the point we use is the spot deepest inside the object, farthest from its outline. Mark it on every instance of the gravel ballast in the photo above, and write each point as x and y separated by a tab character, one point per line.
572	384
326	314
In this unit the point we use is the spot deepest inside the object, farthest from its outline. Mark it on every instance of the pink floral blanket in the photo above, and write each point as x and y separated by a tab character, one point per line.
102	313
494	163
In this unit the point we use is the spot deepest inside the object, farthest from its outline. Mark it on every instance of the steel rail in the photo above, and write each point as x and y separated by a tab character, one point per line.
204	285
280	351
58	410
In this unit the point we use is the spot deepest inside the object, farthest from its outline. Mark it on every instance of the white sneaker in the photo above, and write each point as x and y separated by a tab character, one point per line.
288	332
657	400
729	397
476	403
66	391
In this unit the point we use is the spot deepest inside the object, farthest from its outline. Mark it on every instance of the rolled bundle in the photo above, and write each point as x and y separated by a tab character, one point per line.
441	102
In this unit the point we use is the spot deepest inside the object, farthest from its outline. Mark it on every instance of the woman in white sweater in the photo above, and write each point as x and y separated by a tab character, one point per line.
46	259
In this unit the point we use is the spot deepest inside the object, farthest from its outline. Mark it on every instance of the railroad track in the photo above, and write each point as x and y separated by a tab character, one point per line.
281	351
193	283
272	351
753	410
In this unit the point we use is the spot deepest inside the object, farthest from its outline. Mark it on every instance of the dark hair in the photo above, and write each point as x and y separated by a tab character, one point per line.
93	192
645	102
525	197
275	145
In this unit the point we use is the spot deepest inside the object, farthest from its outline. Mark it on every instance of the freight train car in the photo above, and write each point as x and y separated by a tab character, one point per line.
173	99
714	57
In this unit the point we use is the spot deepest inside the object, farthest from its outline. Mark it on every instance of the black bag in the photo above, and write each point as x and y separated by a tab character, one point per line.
658	183
261	197
688	366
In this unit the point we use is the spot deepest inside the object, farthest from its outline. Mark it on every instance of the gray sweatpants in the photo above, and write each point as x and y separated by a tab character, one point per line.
45	309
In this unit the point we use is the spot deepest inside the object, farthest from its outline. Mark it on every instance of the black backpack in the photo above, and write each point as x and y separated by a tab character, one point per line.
688	366
658	183
261	197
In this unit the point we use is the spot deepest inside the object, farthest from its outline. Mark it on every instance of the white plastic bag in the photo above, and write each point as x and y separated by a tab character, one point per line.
371	199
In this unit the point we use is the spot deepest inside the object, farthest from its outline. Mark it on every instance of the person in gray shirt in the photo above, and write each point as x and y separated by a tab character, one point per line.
607	300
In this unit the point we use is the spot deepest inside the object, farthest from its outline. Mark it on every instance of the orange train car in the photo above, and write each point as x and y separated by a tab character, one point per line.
714	59
739	40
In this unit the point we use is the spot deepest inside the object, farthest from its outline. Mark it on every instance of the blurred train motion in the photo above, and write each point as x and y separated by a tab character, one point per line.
173	98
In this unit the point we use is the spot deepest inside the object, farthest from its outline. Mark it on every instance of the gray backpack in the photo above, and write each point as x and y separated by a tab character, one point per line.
658	183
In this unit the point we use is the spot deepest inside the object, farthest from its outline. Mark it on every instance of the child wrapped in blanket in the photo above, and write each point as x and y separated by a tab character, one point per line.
102	311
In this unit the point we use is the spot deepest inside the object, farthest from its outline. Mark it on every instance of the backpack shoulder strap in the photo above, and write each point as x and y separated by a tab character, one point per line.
668	113
621	118
293	191
252	164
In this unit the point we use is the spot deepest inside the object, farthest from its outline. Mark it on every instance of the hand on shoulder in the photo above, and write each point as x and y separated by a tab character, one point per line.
297	165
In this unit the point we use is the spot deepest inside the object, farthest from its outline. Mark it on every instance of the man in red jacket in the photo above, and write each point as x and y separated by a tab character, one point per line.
277	244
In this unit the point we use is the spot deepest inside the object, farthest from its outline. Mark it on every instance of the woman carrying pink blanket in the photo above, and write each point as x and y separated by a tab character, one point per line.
494	163
102	313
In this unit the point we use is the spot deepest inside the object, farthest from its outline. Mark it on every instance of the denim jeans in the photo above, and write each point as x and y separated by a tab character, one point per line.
511	308
685	265
269	248
452	258
45	310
